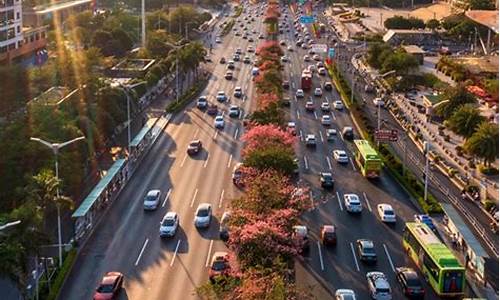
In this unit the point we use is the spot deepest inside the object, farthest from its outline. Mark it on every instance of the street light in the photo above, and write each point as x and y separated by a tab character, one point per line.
427	147
10	224
176	47
55	149
127	94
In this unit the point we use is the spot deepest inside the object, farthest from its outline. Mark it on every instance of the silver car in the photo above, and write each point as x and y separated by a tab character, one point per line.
152	200
203	215
379	286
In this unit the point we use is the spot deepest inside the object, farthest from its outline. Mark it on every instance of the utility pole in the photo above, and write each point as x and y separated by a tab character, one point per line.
426	171
143	23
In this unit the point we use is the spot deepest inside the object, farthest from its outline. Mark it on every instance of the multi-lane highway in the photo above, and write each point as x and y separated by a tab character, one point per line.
128	240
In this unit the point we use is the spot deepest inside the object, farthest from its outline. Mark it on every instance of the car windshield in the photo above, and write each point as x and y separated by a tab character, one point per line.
383	290
219	265
202	212
342	154
193	144
327	177
105	288
368	250
168	222
389	213
150	198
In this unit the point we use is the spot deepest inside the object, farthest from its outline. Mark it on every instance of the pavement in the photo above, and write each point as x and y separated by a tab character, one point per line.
127	240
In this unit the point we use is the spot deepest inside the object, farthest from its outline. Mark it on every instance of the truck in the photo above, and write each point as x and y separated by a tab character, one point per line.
306	80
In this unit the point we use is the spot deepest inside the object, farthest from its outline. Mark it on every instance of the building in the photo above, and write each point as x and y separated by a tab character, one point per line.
55	11
11	23
416	52
397	37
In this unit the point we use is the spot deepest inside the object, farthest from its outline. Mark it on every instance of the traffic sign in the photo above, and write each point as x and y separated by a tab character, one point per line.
331	52
306	19
386	135
319	48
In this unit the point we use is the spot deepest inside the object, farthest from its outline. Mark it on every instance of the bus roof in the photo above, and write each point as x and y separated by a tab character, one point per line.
366	150
438	251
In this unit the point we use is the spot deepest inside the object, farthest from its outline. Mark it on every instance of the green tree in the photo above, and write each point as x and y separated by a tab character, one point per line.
481	4
432	24
465	120
399	61
123	37
400	22
455	97
484	143
375	52
278	158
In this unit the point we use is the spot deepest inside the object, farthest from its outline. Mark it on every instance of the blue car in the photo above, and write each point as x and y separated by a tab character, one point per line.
425	219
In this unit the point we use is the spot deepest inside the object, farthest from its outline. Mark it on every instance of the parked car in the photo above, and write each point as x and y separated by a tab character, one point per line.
219	265
291	127
237	174
300	232
223	228
194	147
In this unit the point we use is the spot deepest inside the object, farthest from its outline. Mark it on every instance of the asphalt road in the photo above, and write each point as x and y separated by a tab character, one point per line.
339	266
128	241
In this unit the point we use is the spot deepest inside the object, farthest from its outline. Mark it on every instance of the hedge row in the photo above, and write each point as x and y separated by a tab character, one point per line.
187	97
61	274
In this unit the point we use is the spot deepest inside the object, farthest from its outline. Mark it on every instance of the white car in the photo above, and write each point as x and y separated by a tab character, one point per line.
340	156
203	215
290	48
345	294
386	213
238	92
282	42
316	57
250	49
338	105
318	92
284	59
331	134
169	224
219	122
352	203
292	128
378	102
311	140
326	120
299	93
322	71
152	200
202	102
311	68
304	46
307	58
218	40
378	285
221	96
325	106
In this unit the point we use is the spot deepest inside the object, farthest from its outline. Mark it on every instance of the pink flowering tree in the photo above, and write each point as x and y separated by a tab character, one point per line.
266	99
263	136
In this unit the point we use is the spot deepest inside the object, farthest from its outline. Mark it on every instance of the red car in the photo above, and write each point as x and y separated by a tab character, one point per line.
110	286
212	110
219	266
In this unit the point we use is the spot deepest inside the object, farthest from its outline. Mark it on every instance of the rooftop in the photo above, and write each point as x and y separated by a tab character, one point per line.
488	18
437	11
54	96
478	65
413	49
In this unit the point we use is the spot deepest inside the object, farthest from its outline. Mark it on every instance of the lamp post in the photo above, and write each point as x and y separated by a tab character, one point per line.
55	149
427	147
127	94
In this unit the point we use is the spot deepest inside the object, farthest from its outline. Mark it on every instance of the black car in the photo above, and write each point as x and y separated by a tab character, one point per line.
328	86
286	84
366	251
410	283
326	180
286	102
222	60
194	147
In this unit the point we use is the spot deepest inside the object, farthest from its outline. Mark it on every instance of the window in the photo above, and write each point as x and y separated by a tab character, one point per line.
18	29
12	46
431	267
3	49
19	44
410	239
37	36
18	15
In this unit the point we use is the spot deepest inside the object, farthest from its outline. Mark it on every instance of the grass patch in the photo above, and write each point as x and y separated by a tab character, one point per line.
238	11
227	28
186	97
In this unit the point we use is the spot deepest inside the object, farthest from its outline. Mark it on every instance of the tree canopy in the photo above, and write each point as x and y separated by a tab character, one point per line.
465	120
484	143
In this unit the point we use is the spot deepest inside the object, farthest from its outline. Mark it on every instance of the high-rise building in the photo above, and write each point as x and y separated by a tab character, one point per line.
11	25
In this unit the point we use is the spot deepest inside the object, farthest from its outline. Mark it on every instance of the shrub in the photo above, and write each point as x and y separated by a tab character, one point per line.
488	170
489	205
61	274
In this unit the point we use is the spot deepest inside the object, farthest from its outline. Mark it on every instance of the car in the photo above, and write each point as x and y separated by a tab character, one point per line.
326	120
304	46
318	92
286	102
261	37
238	92
316	57
352	203
311	68
223	227
309	106
230	65
366	251
300	232
202	102
378	285
310	140
425	219
386	213
218	40
330	134
307	58
348	133
378	102
236	57
326	180
345	294
169	224
321	71
328	235
152	200
320	64
251	40
237	32
110	286
234	111
229	75
328	86
219	265
250	49
203	215
247	60
325	106
299	93
286	84
311	52
221	96
283	43
289	48
222	60
298	42
237	174
207	58
284	59
369	88
410	283
338	105
291	127
255	71
340	156
219	122
194	147
212	110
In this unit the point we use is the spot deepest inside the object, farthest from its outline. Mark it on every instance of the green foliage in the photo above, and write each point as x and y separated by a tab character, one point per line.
187	97
484	143
400	22
227	28
465	120
278	158
481	4
237	11
433	24
14	89
400	61
157	43
56	286
456	96
376	53
272	115
114	43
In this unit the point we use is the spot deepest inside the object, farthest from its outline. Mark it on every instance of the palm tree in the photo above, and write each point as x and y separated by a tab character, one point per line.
455	98
465	120
484	143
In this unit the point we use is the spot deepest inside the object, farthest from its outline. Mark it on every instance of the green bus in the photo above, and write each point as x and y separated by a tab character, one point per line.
367	159
438	264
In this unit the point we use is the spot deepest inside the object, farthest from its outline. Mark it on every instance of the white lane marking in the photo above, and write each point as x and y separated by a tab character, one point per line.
229	161
244	98
320	256
295	98
183	160
166	197
389	257
209	251
196	133
298	115
206	161
306	165
354	256
236	133
221	198
352	164
175	252
342	136
194	197
142	251
215	134
293	85
333	115
340	201
367	202
326	97
321	136
315	115
301	137
328	162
